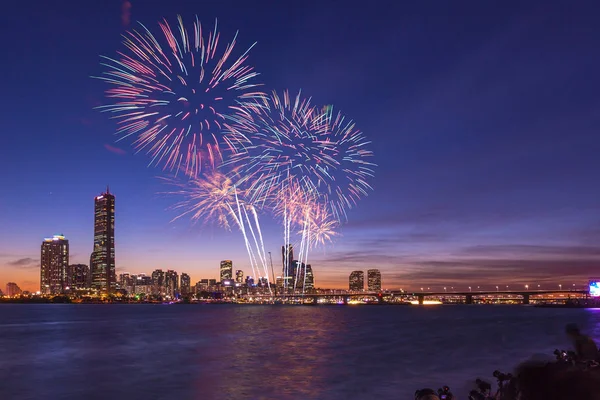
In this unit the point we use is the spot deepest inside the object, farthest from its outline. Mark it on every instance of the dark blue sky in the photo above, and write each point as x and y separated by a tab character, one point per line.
484	118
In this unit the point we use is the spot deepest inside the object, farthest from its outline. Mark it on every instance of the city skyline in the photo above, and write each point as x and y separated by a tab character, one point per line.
486	162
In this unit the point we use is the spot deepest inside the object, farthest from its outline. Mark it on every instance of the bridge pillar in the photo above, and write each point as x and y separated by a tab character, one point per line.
315	301
469	299
421	299
525	299
345	300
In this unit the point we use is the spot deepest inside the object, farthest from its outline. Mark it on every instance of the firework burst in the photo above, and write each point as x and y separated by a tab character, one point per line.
210	198
295	144
174	92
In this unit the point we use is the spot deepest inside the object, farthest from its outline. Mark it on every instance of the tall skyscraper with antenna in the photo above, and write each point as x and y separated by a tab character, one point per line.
103	256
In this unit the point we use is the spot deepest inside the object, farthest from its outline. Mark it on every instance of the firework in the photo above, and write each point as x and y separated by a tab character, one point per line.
215	197
321	225
295	144
174	93
210	198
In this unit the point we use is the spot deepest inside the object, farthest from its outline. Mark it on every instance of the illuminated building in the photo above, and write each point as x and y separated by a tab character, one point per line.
212	283
239	276
125	280
279	282
102	262
54	265
263	282
12	289
228	284
80	276
287	259
249	281
357	281
226	270
172	282
374	280
158	281
202	286
309	282
185	283
142	284
302	277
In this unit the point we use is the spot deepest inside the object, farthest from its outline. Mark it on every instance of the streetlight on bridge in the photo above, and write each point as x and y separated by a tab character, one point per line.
559	286
526	287
469	288
496	288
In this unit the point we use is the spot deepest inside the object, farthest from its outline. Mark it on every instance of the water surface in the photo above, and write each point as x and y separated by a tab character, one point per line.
60	351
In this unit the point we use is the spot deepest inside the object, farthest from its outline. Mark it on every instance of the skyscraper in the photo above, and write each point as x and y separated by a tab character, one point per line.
171	282
54	265
374	280
102	262
357	281
239	276
80	276
226	270
287	259
185	284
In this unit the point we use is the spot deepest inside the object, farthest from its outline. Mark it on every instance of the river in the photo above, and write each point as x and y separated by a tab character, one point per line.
61	351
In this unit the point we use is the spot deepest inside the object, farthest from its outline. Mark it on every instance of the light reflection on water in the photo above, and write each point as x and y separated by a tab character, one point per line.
267	352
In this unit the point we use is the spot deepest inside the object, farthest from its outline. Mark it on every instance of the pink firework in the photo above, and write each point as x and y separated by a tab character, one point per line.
174	92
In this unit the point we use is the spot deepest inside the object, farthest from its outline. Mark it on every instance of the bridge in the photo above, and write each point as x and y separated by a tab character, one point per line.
524	294
468	295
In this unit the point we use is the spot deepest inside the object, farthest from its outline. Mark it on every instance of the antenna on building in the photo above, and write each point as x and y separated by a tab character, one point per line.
107	190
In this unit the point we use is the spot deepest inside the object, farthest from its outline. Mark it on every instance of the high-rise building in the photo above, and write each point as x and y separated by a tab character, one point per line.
302	277
185	284
158	281
309	281
80	276
12	289
374	280
171	283
357	281
287	260
54	265
239	276
102	262
142	284
127	282
226	270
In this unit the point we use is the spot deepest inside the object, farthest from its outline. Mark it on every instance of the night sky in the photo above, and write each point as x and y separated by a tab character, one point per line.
484	118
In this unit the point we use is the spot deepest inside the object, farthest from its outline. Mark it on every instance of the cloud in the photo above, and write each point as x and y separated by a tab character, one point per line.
532	250
115	150
485	265
26	262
